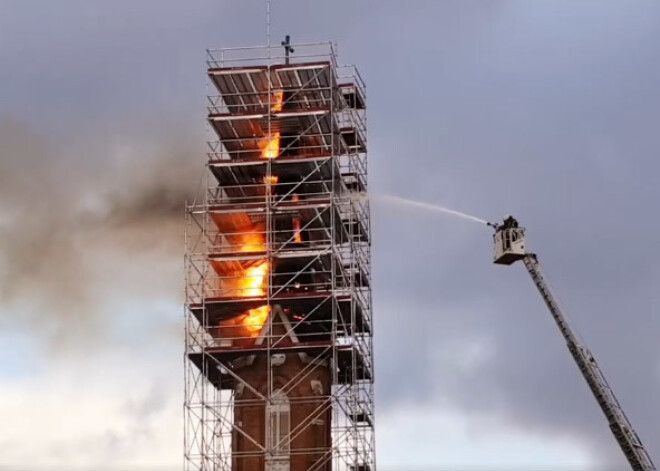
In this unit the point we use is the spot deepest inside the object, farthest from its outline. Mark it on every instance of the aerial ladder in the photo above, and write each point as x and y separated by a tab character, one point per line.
510	247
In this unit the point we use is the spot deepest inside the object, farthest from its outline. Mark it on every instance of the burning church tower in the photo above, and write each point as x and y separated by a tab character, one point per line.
279	364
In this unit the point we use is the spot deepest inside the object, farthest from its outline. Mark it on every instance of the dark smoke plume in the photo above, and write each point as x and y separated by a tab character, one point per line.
63	211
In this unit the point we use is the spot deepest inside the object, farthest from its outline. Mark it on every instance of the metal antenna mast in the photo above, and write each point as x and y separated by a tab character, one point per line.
268	25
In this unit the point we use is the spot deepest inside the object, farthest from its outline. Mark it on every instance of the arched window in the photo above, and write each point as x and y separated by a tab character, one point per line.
278	429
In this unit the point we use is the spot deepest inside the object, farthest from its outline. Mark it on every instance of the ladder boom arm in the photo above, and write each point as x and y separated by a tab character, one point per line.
621	428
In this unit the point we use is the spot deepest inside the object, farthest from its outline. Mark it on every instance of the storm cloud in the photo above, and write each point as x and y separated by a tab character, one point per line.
545	110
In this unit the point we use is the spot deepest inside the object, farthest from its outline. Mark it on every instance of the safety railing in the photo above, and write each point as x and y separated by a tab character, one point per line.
263	56
262	149
279	102
257	279
273	191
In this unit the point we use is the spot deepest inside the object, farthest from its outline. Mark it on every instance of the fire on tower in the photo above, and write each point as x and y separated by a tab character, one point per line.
279	366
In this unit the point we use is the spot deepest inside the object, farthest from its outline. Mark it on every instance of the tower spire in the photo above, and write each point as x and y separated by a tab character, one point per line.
287	48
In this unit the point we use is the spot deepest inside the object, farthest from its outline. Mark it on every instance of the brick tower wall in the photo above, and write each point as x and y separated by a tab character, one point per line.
310	412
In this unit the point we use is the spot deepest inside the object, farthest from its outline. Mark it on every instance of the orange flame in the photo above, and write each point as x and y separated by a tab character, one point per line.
277	101
252	242
297	236
270	148
255	319
272	179
252	283
250	279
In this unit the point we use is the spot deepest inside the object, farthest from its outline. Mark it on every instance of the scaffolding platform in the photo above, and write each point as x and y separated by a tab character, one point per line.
322	306
213	360
278	268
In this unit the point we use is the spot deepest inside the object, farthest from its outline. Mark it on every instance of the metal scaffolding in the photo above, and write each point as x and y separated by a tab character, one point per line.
279	363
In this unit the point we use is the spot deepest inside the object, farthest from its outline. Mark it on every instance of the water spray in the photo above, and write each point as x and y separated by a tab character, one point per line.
430	207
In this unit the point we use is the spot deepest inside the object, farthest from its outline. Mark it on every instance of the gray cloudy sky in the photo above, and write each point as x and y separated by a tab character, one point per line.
546	110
